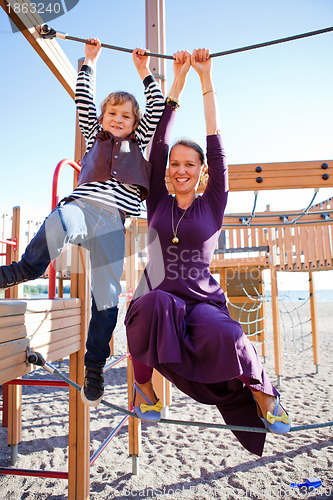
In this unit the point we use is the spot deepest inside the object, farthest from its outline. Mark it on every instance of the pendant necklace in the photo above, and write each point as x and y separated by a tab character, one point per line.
175	239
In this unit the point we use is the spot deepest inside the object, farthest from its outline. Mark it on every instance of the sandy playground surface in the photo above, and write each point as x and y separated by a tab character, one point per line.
179	462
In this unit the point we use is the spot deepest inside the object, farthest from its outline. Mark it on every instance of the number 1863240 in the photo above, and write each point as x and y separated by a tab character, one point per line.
35	8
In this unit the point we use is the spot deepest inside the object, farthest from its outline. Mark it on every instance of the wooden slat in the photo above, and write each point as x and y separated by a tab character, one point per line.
280	247
49	326
42	305
288	247
10	349
219	263
298	248
312	247
6	321
328	245
13	372
55	355
319	247
304	246
261	237
238	238
297	168
64	343
10	307
231	238
12	333
49	338
51	315
11	361
254	236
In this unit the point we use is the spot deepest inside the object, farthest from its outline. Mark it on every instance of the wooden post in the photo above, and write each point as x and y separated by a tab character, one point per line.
314	322
275	308
14	434
262	322
79	414
134	424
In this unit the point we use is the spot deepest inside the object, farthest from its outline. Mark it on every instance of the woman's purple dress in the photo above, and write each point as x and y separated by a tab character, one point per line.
178	321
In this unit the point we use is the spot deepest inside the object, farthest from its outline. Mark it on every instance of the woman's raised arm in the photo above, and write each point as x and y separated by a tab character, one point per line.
160	146
202	64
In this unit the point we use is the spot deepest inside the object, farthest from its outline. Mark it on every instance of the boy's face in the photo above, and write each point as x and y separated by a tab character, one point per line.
119	119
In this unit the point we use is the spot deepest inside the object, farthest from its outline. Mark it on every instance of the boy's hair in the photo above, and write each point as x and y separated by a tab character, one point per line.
116	98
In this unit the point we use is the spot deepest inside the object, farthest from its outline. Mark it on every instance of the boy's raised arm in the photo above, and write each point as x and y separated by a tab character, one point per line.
92	52
85	92
154	98
141	61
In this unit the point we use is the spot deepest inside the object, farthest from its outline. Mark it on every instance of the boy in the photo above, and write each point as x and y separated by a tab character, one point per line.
114	178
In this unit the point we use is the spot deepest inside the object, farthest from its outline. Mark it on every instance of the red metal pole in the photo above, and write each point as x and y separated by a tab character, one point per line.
61	164
37	382
31	472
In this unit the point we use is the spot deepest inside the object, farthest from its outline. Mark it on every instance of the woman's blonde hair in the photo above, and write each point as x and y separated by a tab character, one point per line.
116	98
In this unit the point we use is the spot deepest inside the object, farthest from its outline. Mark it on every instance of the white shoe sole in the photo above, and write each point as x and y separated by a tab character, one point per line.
88	402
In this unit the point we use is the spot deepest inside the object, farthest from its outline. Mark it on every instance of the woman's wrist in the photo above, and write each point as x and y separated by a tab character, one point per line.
206	82
177	87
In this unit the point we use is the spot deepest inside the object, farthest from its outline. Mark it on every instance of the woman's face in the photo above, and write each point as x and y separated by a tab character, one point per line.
184	169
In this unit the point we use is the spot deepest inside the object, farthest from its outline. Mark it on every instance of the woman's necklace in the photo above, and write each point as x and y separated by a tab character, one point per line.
175	239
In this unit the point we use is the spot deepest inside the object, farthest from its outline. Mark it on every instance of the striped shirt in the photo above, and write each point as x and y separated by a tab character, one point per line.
112	193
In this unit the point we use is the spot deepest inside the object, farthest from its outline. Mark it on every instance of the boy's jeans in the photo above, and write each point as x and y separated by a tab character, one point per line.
100	231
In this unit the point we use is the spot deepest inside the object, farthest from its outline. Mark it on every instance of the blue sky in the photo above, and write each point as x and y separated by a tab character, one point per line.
275	103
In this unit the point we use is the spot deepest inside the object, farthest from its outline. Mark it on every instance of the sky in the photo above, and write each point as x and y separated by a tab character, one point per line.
275	103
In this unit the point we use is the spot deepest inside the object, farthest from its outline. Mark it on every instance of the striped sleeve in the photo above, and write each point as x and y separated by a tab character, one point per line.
84	100
153	112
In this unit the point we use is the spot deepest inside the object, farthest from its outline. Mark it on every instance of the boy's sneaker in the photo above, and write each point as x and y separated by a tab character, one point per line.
93	388
11	275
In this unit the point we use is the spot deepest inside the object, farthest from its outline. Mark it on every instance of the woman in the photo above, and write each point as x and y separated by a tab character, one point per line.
178	322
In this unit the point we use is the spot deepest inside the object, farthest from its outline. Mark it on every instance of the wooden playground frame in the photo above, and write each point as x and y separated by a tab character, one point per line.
275	241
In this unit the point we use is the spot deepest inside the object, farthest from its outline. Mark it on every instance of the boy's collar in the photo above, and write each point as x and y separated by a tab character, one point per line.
105	135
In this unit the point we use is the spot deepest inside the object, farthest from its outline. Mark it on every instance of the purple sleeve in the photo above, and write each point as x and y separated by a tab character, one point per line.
158	158
216	192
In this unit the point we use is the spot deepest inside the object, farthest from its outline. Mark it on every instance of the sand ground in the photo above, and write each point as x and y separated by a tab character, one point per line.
186	463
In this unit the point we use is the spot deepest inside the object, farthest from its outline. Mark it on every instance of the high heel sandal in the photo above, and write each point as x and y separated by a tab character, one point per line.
149	412
278	424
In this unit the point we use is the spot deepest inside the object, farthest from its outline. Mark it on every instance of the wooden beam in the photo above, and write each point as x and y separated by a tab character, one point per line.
49	50
273	176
